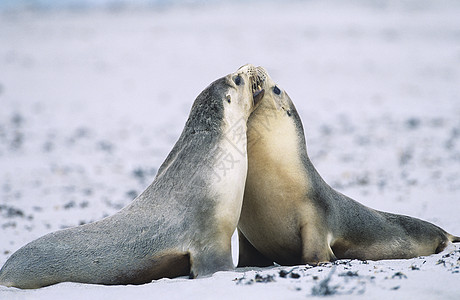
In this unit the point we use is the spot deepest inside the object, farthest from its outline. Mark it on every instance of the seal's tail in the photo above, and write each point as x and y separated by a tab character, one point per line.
453	238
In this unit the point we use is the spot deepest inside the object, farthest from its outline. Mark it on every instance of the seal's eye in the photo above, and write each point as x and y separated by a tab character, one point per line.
229	98
276	90
238	80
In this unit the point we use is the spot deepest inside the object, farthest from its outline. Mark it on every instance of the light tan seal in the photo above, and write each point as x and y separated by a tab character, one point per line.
180	225
291	216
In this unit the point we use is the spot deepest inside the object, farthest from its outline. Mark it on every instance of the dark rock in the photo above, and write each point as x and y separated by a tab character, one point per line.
413	123
399	275
264	279
323	288
11	212
349	274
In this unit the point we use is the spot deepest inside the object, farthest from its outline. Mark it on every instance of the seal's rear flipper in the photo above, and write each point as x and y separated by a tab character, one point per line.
210	259
453	238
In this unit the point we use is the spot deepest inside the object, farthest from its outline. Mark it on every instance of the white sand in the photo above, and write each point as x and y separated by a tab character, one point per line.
92	102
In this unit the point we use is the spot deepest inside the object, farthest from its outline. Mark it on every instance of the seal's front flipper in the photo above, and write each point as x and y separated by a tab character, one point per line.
249	256
209	260
315	246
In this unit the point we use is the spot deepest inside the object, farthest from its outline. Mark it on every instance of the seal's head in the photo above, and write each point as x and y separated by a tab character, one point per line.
276	116
276	98
245	88
229	99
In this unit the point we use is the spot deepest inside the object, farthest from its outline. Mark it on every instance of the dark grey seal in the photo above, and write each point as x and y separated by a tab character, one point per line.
180	225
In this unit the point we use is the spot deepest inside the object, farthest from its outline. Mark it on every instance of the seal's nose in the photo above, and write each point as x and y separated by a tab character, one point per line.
256	78
261	73
247	67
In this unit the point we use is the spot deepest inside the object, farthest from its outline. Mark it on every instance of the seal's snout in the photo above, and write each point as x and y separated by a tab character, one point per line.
257	77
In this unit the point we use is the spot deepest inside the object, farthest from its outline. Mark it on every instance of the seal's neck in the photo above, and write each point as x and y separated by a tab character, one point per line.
273	149
276	144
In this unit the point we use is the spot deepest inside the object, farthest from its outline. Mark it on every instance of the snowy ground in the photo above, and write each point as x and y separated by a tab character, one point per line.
91	102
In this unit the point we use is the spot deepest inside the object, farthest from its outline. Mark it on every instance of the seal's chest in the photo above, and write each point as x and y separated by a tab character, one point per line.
228	181
229	168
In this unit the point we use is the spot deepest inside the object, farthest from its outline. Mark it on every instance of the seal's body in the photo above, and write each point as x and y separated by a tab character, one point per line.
180	225
291	216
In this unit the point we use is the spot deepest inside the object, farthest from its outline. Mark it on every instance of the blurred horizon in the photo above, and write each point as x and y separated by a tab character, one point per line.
15	5
49	5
